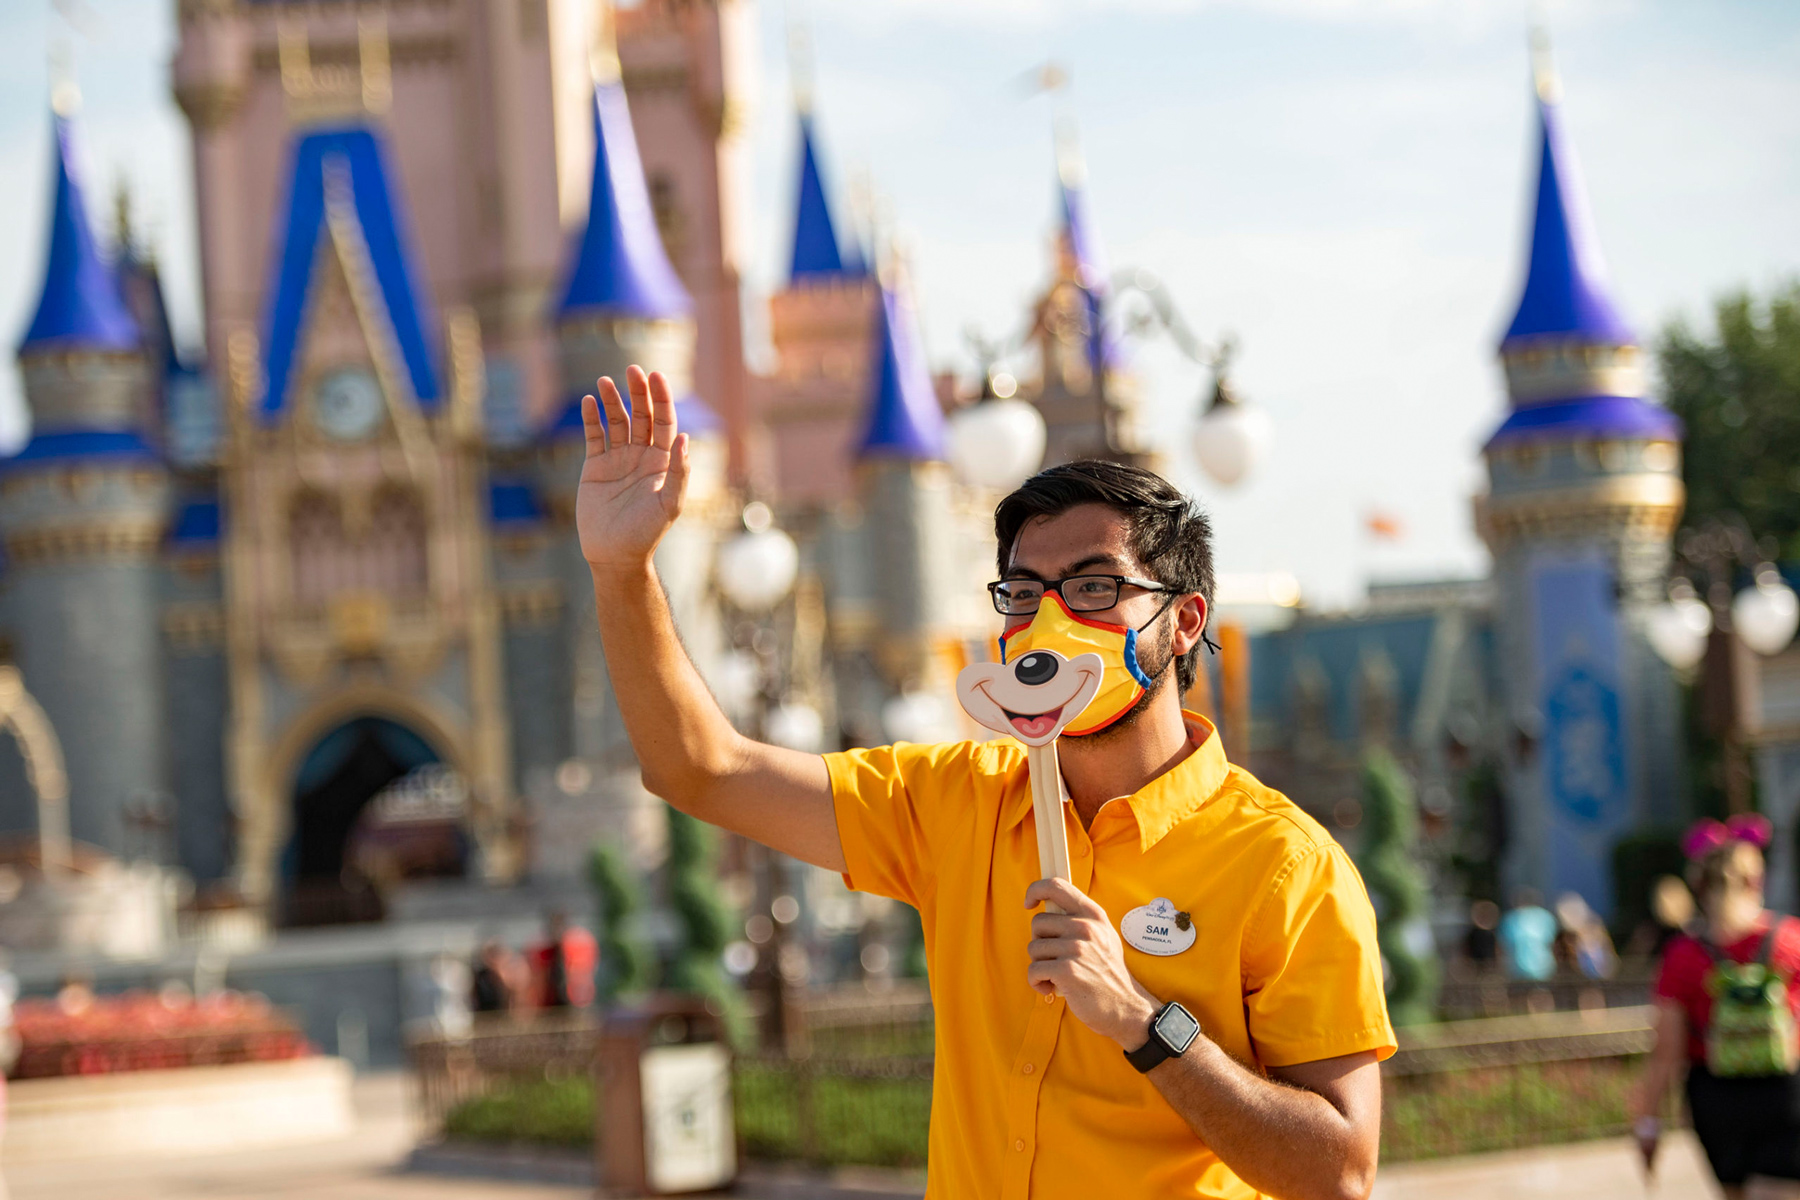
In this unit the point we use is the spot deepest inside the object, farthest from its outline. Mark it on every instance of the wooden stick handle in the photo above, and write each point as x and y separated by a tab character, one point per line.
1047	811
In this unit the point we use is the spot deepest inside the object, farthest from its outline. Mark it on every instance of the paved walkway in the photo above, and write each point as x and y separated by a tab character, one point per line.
364	1167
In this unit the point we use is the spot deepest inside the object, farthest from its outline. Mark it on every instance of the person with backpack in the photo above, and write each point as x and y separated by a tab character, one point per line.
1727	998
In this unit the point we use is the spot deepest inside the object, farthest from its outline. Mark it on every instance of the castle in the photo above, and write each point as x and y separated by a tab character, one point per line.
1530	706
308	614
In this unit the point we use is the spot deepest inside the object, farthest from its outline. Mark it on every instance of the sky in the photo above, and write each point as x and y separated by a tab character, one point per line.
1341	184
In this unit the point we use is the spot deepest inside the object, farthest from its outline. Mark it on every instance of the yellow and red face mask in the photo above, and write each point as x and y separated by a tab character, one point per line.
1054	627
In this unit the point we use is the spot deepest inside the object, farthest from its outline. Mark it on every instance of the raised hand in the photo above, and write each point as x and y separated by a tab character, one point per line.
635	473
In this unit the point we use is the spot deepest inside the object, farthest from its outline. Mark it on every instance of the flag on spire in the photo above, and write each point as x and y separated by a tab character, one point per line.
905	419
80	306
620	267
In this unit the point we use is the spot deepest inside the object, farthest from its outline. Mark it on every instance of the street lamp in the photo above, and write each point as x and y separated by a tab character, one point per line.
756	568
1231	436
1720	631
998	441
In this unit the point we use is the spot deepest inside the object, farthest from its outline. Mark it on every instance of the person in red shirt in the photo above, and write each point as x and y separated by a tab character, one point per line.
1748	1126
564	965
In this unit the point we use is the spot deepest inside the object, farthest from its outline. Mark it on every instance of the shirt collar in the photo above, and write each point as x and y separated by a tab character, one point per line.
1167	800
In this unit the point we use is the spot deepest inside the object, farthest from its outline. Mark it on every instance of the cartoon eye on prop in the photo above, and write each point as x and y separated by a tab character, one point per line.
1034	698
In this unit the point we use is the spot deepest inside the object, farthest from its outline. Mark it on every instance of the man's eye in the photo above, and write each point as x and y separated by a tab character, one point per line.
1095	587
1024	591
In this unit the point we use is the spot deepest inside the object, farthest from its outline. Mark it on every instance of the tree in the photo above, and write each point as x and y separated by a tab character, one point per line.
625	964
704	920
1738	392
1390	868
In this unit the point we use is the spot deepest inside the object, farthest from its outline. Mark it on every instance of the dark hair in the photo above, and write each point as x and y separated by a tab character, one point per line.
1170	536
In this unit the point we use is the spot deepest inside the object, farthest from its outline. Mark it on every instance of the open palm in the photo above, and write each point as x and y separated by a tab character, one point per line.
635	473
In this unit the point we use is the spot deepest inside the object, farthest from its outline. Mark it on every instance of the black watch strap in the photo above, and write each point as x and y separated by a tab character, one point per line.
1157	1049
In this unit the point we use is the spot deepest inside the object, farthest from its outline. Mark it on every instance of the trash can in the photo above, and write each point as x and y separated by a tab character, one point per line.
664	1088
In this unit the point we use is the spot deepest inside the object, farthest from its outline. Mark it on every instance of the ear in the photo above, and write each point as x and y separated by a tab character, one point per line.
1191	616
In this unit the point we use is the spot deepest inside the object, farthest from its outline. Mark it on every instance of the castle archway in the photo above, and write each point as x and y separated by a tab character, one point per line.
373	800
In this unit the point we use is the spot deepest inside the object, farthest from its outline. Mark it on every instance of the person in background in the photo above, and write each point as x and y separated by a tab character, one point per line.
1527	933
563	966
1482	943
1739	970
496	982
1590	945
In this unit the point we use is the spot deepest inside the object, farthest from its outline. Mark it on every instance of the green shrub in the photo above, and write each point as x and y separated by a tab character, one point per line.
558	1111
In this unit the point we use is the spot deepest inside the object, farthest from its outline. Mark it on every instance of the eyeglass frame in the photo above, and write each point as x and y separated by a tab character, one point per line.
1118	581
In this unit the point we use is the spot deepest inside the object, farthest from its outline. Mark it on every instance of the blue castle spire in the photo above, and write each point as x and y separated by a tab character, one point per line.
80	306
1566	295
357	153
905	419
816	249
1082	246
1571	359
620	267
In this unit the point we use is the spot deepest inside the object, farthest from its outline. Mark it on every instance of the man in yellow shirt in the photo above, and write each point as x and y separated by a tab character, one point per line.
1216	949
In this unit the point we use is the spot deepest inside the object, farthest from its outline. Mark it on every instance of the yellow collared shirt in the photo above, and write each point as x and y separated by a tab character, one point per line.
1026	1100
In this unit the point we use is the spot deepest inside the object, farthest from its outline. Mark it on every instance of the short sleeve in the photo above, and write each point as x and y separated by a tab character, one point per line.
889	803
1312	969
1681	976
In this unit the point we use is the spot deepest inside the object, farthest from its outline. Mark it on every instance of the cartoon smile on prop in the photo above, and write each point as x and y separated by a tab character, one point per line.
1034	697
1060	674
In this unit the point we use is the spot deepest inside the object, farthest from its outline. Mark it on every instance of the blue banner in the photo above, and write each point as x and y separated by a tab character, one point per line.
1587	792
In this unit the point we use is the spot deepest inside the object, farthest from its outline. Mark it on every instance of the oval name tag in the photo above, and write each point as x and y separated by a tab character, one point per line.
1157	928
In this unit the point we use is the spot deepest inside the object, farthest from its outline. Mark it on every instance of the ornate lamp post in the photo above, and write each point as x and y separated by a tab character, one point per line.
755	572
1721	631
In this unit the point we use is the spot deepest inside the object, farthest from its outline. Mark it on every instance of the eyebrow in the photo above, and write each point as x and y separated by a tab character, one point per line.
1074	568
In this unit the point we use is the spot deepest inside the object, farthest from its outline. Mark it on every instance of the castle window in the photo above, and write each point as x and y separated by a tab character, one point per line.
394	554
316	550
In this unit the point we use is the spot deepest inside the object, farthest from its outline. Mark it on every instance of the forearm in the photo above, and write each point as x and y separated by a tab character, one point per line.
690	754
682	739
1281	1140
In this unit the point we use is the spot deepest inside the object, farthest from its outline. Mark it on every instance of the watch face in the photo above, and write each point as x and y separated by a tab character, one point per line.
347	403
1177	1028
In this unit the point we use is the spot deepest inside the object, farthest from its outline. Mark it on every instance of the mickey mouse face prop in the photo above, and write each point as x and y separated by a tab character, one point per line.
1034	696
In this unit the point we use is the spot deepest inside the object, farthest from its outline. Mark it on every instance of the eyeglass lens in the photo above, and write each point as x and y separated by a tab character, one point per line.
1082	593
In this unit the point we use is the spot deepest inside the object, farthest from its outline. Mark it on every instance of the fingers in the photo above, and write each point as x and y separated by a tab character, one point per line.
1054	925
674	489
618	421
662	412
1064	895
1048	977
592	427
639	385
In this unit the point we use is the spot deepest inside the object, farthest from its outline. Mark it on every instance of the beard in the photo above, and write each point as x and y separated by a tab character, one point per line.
1156	665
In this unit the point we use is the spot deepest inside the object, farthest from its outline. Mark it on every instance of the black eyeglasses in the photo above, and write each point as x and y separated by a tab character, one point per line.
1082	593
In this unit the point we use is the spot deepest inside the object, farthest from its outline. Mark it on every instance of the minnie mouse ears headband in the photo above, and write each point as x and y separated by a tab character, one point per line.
1708	835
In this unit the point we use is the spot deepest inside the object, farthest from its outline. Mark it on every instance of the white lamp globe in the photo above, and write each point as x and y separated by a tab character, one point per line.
756	568
1677	630
918	717
1766	613
795	726
997	443
1231	437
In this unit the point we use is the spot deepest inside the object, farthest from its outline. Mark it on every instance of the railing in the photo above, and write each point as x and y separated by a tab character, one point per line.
1464	1087
502	1051
863	1094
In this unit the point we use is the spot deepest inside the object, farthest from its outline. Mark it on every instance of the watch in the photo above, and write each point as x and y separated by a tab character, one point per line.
1172	1030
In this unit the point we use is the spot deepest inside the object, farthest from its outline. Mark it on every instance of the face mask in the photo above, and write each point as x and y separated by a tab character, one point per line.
1054	627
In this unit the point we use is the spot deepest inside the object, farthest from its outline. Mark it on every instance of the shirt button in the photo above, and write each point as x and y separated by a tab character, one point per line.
1028	1068
1049	999
1081	849
1019	1145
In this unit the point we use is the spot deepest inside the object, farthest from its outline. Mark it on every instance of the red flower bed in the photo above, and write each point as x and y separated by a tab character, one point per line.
144	1031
